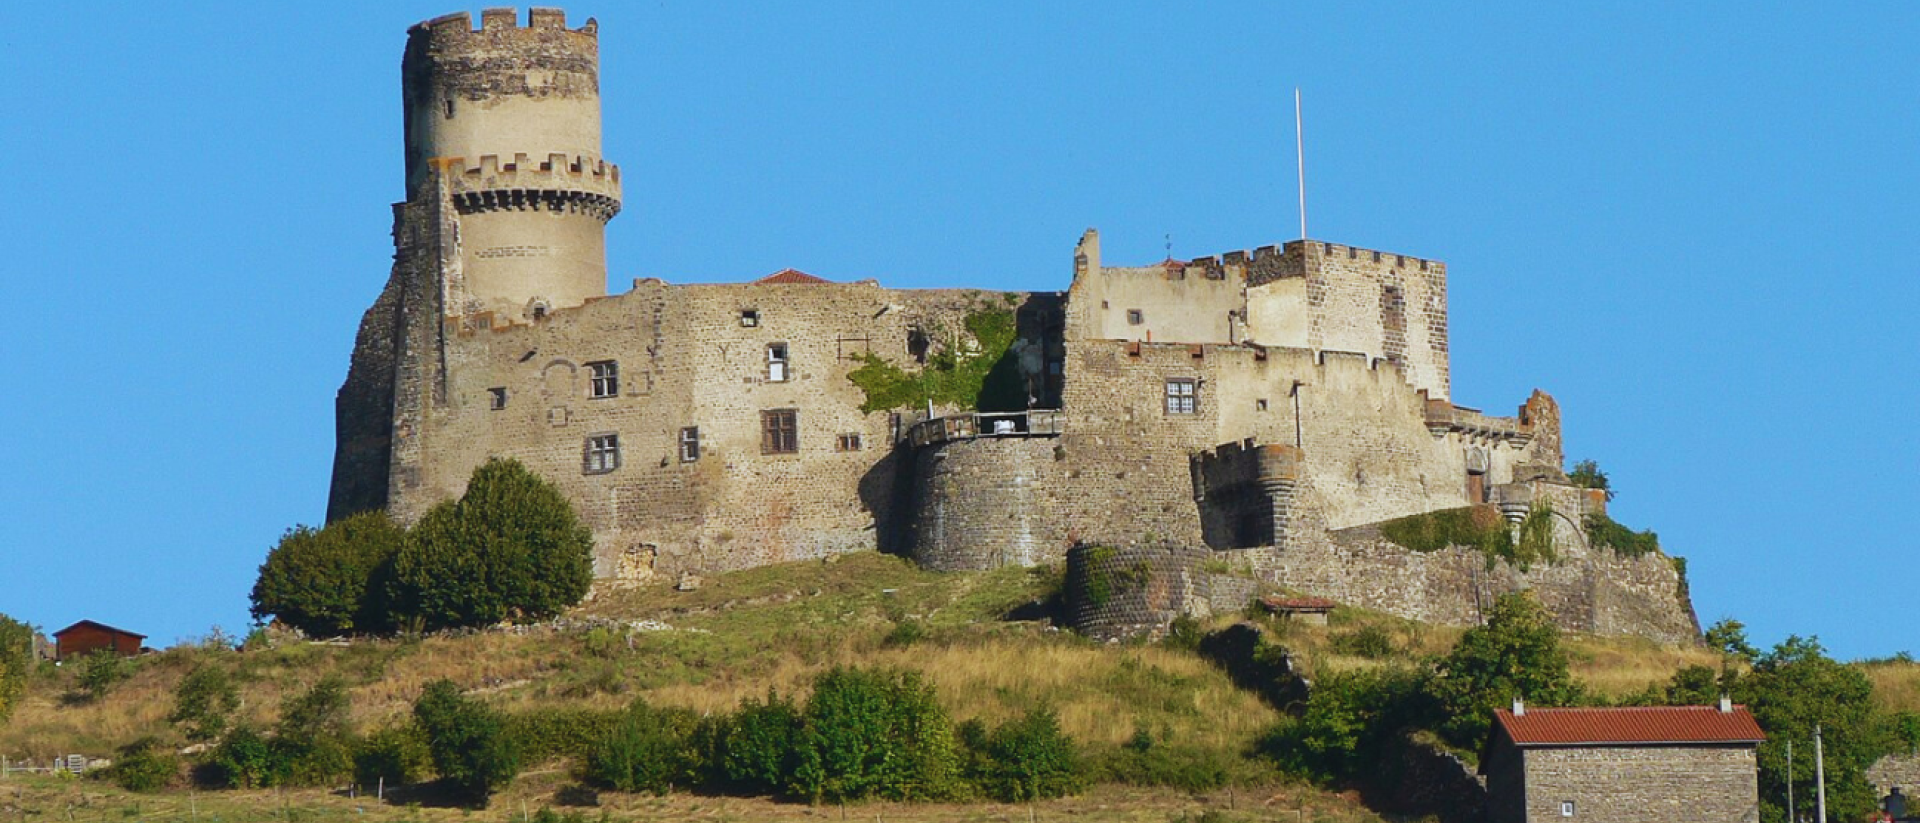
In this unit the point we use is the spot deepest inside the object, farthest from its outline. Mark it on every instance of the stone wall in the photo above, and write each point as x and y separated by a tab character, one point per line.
1118	592
1636	784
985	503
1896	770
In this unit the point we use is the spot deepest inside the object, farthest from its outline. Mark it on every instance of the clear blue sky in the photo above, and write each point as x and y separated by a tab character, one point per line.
1694	224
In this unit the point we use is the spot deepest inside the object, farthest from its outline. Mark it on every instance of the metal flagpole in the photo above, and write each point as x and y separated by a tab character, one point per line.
1300	155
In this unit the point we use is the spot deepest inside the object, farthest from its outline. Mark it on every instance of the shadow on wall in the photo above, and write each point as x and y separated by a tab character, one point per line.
886	490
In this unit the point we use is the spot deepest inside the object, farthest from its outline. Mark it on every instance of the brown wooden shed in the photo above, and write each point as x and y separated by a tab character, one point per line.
86	636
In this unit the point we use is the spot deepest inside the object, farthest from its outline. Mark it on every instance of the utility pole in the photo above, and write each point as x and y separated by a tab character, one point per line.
1819	775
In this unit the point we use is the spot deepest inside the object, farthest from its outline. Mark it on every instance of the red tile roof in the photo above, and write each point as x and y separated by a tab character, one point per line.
791	276
1628	726
1298	604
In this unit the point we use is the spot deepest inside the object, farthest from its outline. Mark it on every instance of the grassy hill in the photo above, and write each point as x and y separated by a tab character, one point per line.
742	634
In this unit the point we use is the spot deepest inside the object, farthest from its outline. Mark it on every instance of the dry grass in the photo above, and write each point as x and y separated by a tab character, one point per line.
92	802
1896	684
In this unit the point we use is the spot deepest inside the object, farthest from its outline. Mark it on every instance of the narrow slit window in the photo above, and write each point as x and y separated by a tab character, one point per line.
689	444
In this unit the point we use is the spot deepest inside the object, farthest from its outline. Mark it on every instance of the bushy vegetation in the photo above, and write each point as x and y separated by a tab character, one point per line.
467	741
16	662
981	376
1603	532
98	673
1480	526
324	582
204	703
145	765
1587	475
510	548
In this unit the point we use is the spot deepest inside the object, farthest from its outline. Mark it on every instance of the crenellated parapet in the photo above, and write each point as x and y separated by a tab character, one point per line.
579	184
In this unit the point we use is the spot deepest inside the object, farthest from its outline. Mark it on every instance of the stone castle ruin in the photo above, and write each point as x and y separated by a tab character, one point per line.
1200	430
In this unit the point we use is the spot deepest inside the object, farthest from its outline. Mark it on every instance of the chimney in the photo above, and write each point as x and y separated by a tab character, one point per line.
1726	704
1519	707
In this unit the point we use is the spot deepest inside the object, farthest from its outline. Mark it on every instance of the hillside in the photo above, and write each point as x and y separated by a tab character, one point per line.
741	634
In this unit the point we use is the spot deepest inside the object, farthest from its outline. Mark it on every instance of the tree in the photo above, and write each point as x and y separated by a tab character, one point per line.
1793	688
321	581
100	671
1587	475
510	548
874	734
313	745
1517	654
203	703
468	741
16	661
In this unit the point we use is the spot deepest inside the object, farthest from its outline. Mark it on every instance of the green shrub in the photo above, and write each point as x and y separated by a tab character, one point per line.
874	733
1026	759
100	671
471	750
312	743
511	548
323	581
1370	641
1346	724
243	760
648	750
1517	653
145	765
203	702
16	663
761	748
1603	531
1188	768
548	732
394	756
1587	475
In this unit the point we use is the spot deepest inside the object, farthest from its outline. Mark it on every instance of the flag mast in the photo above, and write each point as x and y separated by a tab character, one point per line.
1300	156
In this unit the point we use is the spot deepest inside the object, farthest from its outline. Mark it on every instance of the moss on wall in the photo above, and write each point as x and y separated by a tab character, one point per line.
1478	527
983	376
1603	531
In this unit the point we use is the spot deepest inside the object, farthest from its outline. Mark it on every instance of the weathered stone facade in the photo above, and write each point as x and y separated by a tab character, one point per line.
1271	404
1626	784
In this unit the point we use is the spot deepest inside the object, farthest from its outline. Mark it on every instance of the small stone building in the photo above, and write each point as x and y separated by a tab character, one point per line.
1628	765
86	637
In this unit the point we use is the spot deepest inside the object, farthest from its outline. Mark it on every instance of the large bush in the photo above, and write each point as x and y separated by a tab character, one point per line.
145	765
320	581
468	741
649	750
1028	758
761	747
16	660
204	702
313	745
1348	722
874	733
1517	653
511	548
394	756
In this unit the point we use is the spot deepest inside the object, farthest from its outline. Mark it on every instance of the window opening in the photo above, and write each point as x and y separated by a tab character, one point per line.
850	442
777	362
603	379
689	444
1566	808
749	318
1135	317
602	453
497	398
449	107
780	431
1183	396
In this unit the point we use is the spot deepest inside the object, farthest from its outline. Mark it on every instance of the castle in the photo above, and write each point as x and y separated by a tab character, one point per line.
1231	423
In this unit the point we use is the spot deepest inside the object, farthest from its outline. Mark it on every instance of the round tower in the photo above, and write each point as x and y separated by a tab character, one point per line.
509	118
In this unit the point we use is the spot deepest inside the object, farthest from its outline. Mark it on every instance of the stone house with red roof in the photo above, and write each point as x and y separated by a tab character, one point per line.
1623	765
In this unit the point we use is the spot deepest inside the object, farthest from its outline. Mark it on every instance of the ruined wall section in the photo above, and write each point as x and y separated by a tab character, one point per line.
1123	592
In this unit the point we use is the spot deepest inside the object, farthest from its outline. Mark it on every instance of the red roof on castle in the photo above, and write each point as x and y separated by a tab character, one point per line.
1654	725
789	277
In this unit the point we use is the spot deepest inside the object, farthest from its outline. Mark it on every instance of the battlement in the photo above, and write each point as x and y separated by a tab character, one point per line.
501	19
1444	418
1393	259
559	183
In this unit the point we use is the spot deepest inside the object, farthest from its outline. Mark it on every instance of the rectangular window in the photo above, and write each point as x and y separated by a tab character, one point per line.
602	453
689	444
780	431
1183	396
497	398
1566	808
850	442
604	379
777	362
749	318
1135	317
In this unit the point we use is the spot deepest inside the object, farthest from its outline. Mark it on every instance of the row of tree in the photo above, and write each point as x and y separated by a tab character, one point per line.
860	734
510	548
